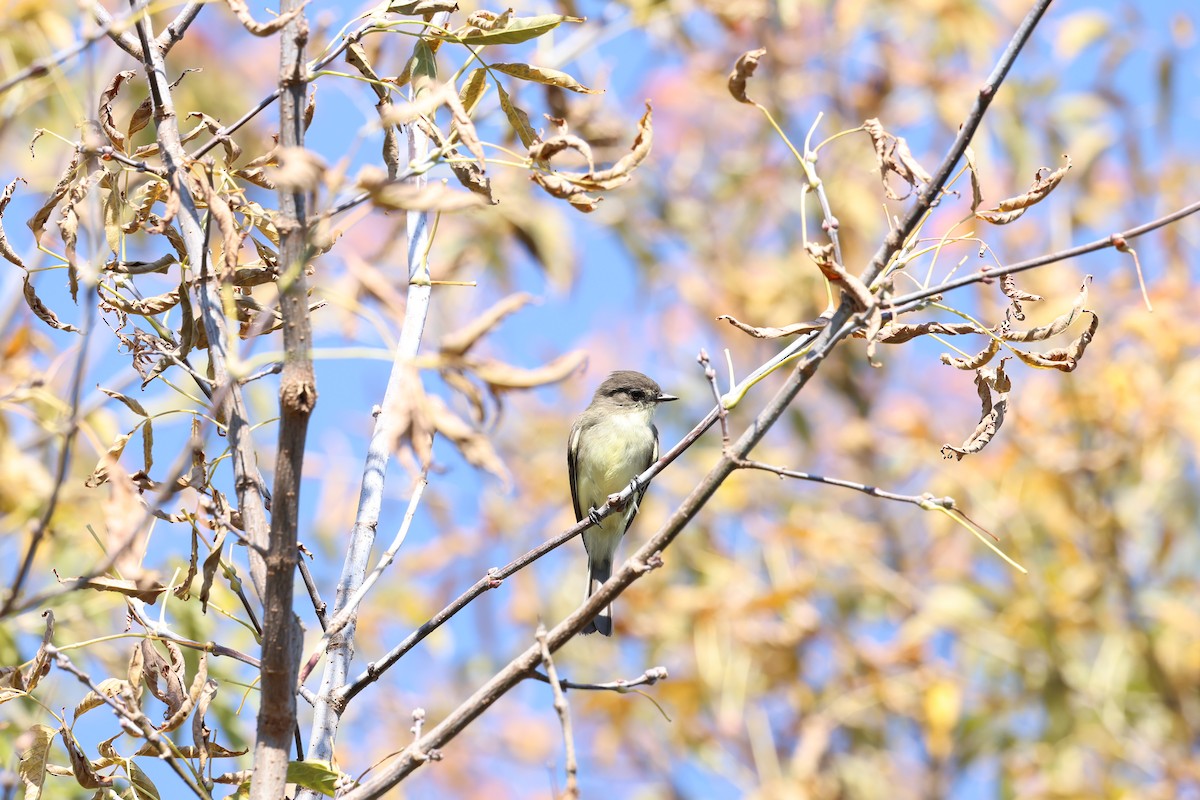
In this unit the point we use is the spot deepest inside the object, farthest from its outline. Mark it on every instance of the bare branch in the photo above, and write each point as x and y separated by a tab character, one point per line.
383	438
282	639
1116	240
564	716
647	678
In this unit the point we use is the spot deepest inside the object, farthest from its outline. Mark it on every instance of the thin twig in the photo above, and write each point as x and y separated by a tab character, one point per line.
44	65
60	474
925	500
564	716
347	612
1049	258
647	678
314	593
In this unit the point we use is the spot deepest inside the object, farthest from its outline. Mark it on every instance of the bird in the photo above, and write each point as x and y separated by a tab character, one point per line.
612	442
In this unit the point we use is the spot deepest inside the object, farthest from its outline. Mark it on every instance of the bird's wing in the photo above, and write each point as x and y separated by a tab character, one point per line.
637	501
573	466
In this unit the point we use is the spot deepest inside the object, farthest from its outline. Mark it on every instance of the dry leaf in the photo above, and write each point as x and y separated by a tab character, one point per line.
893	156
106	112
5	248
1012	208
460	341
500	376
992	411
775	333
544	75
976	361
475	447
745	66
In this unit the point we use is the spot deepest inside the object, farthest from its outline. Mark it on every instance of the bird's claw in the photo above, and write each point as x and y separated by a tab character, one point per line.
594	516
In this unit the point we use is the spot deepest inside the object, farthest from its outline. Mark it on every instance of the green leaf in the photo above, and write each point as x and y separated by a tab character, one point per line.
519	29
545	75
316	775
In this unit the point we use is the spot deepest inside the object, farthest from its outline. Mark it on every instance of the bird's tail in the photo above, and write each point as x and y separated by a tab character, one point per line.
598	573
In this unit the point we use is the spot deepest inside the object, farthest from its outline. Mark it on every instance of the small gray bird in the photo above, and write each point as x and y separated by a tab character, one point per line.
612	442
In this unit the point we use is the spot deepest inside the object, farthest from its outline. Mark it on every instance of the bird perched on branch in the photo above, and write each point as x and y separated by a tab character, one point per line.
612	442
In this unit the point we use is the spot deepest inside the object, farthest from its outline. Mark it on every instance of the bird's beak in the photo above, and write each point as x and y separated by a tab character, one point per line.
662	398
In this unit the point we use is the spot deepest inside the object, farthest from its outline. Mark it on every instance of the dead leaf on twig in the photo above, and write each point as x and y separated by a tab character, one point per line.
1012	208
987	381
894	157
743	69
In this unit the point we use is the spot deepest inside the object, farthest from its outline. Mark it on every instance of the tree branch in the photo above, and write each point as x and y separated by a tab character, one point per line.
282	639
564	717
362	537
926	199
232	407
647	558
1050	258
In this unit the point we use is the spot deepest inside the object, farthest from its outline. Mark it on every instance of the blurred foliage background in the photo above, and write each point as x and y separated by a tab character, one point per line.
820	643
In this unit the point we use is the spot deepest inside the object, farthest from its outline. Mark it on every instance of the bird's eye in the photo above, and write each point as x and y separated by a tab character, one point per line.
637	394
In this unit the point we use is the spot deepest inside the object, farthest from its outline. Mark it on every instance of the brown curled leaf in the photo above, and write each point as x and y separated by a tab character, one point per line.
1008	285
776	333
743	69
5	248
460	341
41	310
471	176
976	190
208	570
1063	359
147	307
836	274
987	381
37	223
473	444
107	124
500	376
546	150
558	186
898	333
232	150
81	767
1012	208
976	361
1057	326
146	589
461	124
619	173
893	156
